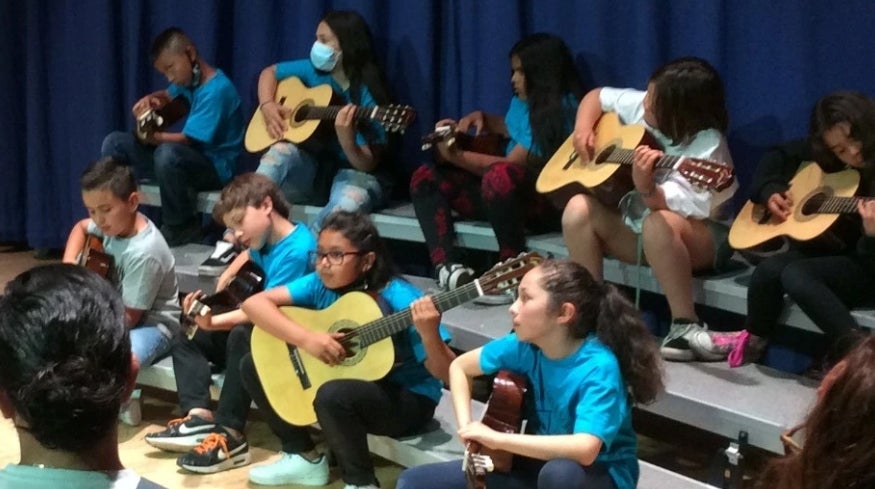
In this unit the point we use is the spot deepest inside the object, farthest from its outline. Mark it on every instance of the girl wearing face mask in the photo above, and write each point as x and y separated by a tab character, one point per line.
346	171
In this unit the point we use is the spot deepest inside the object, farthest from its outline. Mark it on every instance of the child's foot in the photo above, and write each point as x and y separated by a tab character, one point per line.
291	468
453	275
749	348
222	256
713	346
219	451
676	344
131	412
183	434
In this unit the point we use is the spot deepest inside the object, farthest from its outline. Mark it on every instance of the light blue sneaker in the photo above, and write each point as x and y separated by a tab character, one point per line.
291	468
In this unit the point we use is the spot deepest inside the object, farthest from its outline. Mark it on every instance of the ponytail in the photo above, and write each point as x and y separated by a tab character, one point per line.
615	321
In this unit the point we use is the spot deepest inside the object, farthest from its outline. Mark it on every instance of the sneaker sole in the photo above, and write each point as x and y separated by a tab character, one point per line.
211	271
181	444
677	355
228	464
279	481
492	300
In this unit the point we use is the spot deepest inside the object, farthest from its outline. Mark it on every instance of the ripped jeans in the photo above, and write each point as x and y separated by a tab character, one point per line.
296	172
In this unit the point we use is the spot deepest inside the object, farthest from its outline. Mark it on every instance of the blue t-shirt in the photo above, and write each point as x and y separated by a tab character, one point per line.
520	130
409	370
287	259
215	120
312	77
581	393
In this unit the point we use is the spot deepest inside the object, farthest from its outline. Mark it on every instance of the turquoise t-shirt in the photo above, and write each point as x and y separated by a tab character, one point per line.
29	477
287	259
520	130
581	393
409	370
311	77
215	120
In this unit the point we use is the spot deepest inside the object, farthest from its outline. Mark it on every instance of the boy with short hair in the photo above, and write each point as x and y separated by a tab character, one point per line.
254	209
201	157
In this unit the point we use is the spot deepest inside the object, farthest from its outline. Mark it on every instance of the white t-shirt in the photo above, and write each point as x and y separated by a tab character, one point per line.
32	477
680	195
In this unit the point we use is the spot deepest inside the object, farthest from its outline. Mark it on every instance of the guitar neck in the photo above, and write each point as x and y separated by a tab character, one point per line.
394	323
625	156
330	112
833	205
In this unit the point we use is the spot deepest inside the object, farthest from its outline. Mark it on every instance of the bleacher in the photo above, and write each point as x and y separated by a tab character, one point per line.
757	400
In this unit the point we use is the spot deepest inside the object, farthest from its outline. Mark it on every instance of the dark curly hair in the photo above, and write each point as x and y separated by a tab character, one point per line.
66	355
603	309
854	108
358	228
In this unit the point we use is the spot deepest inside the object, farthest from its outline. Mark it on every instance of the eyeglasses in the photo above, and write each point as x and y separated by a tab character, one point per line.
335	257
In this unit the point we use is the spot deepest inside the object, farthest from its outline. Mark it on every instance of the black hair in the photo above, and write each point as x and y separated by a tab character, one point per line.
550	76
602	309
110	174
854	108
66	354
359	59
358	228
688	97
250	189
171	38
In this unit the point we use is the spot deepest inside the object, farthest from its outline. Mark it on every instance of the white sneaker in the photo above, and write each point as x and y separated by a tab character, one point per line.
453	275
291	468
676	344
131	412
222	256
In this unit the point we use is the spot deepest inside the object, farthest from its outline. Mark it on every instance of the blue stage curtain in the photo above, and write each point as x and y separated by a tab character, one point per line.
72	69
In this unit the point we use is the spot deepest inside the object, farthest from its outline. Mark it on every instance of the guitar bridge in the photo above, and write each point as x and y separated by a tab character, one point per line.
298	365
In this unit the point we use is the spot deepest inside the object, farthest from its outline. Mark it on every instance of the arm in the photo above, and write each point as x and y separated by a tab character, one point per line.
588	113
154	100
133	316
233	268
462	371
274	114
580	447
76	241
776	168
426	320
208	322
361	157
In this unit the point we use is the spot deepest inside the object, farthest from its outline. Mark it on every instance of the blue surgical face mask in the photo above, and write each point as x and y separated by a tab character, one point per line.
323	56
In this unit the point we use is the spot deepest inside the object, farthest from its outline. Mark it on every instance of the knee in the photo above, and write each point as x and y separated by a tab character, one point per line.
577	213
238	337
660	227
501	180
167	156
114	143
331	397
422	179
767	271
560	473
795	279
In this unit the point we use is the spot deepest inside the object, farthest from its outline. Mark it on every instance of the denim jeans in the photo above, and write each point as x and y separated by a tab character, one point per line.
297	172
180	170
526	473
149	343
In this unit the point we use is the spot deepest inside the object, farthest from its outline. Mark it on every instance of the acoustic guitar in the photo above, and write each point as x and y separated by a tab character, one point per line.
818	200
248	281
291	377
309	106
485	143
94	258
155	120
608	175
504	414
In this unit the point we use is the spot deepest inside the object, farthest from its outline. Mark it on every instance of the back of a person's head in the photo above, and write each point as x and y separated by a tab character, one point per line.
65	355
853	108
688	97
839	446
250	189
110	174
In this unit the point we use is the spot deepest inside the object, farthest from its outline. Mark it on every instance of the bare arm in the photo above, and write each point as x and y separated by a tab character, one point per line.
463	369
588	113
231	271
76	241
154	100
426	320
133	316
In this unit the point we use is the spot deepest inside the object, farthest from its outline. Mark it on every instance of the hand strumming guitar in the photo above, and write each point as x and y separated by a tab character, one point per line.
475	119
779	205
275	116
153	101
204	321
325	346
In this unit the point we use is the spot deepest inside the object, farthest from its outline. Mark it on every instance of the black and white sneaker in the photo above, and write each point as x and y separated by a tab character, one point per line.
219	451
222	256
676	344
453	275
181	435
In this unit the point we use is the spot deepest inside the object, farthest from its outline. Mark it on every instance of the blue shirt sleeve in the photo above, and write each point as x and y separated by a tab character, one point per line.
304	291
517	121
207	110
400	294
301	68
503	353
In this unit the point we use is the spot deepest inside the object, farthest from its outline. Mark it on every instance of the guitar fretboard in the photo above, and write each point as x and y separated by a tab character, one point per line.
394	323
330	112
625	156
823	204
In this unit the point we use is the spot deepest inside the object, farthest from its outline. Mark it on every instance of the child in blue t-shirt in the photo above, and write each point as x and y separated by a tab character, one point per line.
587	358
203	156
350	256
349	170
501	189
254	209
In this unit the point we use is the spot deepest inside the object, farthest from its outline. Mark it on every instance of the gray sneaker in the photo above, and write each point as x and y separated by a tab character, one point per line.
496	299
676	344
453	275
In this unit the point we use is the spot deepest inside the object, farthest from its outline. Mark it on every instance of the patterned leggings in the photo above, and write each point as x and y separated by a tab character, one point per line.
505	196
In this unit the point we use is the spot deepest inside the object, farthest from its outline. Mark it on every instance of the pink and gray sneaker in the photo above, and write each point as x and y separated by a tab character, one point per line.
712	346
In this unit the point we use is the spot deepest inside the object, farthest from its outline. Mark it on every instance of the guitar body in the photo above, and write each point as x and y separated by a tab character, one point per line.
248	281
94	258
274	360
485	143
504	414
605	179
291	93
753	227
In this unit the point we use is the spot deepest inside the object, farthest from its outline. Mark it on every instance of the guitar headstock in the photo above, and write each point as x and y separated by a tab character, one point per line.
507	274
395	117
476	466
440	135
706	174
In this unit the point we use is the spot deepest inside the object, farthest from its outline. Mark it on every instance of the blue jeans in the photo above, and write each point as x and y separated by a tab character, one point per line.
149	343
527	473
297	173
180	170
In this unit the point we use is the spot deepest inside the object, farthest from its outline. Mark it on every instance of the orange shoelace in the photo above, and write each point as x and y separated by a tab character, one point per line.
177	421
212	441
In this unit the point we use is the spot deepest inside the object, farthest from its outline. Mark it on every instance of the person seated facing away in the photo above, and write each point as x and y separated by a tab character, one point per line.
348	170
253	207
831	275
839	431
67	368
684	110
143	268
587	358
201	157
501	189
350	256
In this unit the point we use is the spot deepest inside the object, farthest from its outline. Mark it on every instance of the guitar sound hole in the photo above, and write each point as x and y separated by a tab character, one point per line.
813	203
604	154
301	113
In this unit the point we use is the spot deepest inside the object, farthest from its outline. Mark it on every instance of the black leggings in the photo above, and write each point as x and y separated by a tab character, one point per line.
347	411
826	288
